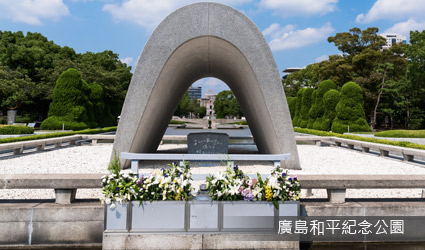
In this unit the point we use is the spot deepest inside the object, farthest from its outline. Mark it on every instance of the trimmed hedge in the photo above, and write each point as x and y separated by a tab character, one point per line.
312	112
360	138
305	107
55	123
402	133
15	130
176	122
59	134
292	103
330	100
298	105
349	110
71	103
317	110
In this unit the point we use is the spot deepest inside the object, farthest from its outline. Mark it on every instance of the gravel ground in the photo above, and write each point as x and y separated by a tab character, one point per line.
314	160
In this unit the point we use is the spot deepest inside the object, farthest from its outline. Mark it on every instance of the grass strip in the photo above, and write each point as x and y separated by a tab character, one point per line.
58	134
360	138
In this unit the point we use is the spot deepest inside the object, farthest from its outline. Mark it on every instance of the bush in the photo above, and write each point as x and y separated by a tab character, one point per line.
416	124
23	119
312	112
298	106
15	130
176	122
402	134
59	134
292	102
70	103
349	110
317	110
330	100
305	107
56	123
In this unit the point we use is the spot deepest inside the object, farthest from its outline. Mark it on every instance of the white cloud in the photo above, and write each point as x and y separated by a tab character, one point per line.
275	31
213	82
287	8
321	58
127	60
148	13
404	28
287	37
393	10
32	11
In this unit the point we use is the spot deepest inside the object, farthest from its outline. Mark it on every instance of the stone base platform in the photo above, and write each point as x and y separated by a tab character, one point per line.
46	225
190	241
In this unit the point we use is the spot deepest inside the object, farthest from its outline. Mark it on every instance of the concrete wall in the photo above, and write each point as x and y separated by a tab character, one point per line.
35	225
38	224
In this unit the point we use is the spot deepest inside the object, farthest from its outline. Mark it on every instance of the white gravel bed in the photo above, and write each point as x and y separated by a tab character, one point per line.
314	160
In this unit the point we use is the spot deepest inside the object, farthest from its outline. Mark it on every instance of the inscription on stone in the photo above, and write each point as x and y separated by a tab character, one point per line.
207	143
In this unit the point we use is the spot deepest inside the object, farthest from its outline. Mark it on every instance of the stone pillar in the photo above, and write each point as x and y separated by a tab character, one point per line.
11	116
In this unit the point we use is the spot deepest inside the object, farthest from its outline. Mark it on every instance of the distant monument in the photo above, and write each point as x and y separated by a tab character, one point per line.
206	40
208	102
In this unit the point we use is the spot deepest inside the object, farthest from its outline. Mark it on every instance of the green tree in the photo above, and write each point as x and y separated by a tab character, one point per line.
40	61
349	110
306	77
15	89
183	107
413	87
356	40
225	104
110	73
71	104
364	57
337	69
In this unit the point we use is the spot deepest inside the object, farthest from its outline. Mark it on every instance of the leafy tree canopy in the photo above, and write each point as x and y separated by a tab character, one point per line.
225	104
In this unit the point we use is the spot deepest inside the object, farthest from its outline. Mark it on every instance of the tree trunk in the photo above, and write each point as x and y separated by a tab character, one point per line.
408	114
375	111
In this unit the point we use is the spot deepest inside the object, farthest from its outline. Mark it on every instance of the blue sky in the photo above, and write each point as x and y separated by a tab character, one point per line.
296	30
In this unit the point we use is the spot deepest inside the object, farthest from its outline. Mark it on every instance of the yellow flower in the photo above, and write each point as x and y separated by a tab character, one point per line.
179	195
269	194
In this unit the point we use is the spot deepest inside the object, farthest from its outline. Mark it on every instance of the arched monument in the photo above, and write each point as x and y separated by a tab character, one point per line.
206	40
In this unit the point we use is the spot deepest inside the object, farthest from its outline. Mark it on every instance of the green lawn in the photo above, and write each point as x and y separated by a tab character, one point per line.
360	138
58	134
402	133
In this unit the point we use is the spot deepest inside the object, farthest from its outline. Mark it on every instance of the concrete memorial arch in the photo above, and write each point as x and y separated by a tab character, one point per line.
206	40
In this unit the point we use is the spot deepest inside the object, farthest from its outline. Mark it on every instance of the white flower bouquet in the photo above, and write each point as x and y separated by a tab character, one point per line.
233	184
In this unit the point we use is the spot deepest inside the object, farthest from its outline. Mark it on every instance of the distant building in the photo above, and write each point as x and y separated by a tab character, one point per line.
195	93
392	38
208	102
290	70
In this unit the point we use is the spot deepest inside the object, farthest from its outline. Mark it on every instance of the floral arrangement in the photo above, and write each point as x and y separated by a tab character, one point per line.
280	187
173	183
233	184
118	186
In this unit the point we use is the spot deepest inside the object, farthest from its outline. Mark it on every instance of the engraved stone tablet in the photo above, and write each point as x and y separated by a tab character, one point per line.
207	143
